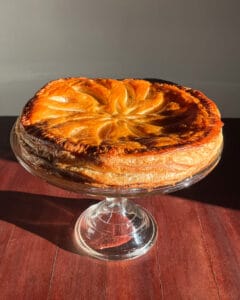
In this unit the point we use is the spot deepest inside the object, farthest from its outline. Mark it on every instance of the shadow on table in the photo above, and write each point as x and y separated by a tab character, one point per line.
52	218
217	194
6	124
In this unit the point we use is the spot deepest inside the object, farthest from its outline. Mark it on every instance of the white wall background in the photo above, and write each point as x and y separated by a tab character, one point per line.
194	43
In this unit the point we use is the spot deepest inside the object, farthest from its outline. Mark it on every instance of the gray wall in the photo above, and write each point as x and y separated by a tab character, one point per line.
194	43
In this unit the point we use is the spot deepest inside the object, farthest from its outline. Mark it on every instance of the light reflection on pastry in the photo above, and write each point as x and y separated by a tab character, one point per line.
126	133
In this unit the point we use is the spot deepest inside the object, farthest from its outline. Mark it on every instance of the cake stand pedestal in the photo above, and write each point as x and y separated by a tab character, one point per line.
115	228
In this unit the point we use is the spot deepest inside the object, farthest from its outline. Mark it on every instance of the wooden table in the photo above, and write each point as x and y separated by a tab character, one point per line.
197	254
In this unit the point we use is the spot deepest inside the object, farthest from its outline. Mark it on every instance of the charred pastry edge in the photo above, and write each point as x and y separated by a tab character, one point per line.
92	151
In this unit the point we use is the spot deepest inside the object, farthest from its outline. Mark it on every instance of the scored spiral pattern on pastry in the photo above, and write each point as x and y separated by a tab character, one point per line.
133	114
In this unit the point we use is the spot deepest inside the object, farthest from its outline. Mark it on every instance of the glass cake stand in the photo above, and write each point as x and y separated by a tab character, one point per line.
115	228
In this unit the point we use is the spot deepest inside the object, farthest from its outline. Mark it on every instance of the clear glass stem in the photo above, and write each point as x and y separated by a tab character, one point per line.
115	229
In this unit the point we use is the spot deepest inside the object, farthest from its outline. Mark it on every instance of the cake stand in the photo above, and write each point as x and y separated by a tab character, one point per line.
115	228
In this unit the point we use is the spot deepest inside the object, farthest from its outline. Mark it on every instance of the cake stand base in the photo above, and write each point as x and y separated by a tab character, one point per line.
115	229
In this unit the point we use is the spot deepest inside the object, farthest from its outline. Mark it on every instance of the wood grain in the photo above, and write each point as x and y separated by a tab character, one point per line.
196	256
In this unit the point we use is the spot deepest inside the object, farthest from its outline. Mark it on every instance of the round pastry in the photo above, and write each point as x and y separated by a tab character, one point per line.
120	133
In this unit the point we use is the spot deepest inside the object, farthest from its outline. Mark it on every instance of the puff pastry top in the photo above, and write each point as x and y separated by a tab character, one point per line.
132	115
108	126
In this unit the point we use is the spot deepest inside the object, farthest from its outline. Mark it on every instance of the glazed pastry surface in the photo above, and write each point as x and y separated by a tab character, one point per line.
130	132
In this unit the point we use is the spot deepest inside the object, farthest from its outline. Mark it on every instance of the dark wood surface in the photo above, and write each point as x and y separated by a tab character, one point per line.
197	254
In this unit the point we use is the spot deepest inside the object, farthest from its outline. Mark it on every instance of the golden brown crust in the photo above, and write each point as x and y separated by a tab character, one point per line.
113	132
